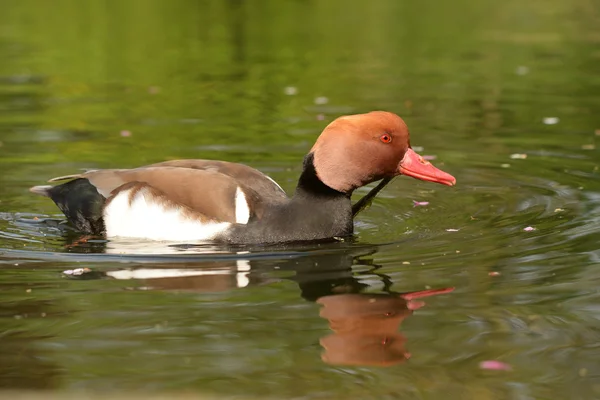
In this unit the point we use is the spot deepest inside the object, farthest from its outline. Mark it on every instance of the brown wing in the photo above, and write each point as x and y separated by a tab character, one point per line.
250	177
246	175
207	186
209	193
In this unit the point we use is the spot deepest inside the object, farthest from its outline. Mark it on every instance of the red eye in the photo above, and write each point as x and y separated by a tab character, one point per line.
385	138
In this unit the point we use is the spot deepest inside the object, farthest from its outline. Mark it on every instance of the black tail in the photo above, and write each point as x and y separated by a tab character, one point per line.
79	201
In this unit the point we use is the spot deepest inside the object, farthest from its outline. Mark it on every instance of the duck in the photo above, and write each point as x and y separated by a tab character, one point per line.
201	200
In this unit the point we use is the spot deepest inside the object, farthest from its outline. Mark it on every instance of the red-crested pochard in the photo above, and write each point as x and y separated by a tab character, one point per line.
200	200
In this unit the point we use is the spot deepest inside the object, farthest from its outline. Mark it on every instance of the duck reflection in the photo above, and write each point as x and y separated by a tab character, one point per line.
214	276
365	329
365	326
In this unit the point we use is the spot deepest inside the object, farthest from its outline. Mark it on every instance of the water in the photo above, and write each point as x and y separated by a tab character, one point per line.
504	95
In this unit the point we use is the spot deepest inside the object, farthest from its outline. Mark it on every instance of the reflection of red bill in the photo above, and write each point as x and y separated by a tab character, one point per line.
417	167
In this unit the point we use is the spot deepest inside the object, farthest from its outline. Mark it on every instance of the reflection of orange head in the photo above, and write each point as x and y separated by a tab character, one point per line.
365	329
365	326
358	349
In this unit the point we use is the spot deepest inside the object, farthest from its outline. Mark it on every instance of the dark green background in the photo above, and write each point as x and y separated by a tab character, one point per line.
474	80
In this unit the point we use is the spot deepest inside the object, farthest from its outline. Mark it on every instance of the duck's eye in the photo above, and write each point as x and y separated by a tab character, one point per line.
385	138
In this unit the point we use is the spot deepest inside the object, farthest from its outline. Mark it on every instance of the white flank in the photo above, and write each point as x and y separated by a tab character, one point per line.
145	219
242	211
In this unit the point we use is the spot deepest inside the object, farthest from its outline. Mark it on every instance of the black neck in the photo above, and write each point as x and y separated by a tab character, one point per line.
316	212
311	187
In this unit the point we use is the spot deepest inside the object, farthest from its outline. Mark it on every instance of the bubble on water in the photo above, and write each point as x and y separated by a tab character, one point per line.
505	165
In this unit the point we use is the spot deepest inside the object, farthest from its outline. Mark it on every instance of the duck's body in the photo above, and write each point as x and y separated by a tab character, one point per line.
199	200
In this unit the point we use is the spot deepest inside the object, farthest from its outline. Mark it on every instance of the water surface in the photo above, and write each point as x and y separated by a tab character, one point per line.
504	95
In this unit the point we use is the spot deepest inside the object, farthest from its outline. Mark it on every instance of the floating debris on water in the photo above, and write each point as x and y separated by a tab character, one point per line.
76	271
321	100
495	365
590	146
290	90
452	230
125	133
551	120
522	70
559	209
505	165
518	156
529	229
420	203
494	273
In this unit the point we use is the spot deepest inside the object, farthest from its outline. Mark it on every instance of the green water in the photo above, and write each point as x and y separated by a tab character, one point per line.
107	84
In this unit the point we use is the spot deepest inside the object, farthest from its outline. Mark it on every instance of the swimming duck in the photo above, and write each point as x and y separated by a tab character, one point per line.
220	201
